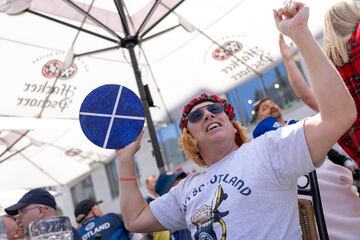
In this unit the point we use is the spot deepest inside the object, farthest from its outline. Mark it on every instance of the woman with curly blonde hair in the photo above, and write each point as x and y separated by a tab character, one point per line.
231	197
189	145
342	46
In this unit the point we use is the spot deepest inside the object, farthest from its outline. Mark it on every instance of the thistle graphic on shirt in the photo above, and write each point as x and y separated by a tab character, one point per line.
205	217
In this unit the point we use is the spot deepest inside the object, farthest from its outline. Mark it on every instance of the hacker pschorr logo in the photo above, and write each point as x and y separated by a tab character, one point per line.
44	91
53	68
226	50
236	57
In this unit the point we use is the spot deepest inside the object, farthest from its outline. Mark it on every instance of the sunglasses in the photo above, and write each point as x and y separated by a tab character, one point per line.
198	114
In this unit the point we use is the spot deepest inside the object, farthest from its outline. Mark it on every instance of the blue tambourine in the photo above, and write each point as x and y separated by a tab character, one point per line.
112	116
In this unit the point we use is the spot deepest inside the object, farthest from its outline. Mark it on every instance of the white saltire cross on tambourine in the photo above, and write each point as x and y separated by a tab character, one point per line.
112	116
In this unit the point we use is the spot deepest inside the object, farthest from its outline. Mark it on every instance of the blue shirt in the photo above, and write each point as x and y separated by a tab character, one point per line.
76	234
268	124
109	226
181	235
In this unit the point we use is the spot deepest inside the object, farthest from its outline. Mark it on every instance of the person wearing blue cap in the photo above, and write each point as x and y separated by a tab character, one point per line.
150	186
36	204
96	225
247	190
163	185
166	181
269	117
86	209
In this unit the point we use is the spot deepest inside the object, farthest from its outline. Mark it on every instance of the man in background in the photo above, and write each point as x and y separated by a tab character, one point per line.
150	186
37	204
269	116
95	225
339	198
163	185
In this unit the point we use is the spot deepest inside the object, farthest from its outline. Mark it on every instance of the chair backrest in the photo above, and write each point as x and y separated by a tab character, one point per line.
314	192
307	220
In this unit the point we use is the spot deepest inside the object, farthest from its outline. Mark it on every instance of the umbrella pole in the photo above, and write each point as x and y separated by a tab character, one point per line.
144	99
129	42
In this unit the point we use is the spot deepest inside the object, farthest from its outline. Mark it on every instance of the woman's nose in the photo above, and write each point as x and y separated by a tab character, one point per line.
208	114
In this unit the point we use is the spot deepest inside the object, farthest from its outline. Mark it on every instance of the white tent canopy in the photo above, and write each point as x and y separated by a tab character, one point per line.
47	158
182	63
176	65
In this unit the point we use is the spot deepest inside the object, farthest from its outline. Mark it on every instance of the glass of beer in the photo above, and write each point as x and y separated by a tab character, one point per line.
50	229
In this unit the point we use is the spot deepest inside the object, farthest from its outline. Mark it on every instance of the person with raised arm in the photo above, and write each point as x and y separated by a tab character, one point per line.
304	92
246	190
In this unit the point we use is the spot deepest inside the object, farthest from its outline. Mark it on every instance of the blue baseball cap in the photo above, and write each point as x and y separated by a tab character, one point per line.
34	196
165	181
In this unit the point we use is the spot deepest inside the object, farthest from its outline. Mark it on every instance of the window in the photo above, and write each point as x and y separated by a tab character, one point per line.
112	175
278	87
170	150
111	172
243	97
83	190
273	84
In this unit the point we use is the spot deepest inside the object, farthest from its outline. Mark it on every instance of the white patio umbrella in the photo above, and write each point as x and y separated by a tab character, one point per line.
200	46
41	159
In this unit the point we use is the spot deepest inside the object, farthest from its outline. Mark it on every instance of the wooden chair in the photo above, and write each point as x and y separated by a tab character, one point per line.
308	209
307	220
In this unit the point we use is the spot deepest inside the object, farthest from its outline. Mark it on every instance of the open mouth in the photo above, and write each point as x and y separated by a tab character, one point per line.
212	126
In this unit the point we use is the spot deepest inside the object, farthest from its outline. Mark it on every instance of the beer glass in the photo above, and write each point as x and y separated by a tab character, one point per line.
50	229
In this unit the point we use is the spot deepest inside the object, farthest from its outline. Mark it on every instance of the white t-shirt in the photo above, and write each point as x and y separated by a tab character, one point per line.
250	194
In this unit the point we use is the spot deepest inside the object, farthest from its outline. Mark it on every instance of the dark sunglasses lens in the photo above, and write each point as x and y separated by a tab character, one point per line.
198	114
195	116
215	108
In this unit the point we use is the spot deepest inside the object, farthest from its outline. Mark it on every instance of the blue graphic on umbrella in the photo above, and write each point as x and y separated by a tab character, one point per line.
112	116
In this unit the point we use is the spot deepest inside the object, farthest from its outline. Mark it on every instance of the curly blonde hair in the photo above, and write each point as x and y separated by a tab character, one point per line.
189	145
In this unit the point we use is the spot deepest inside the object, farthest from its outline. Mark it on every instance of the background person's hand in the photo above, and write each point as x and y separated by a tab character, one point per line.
292	18
287	52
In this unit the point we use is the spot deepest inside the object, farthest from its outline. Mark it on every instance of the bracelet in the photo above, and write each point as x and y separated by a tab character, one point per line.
127	178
